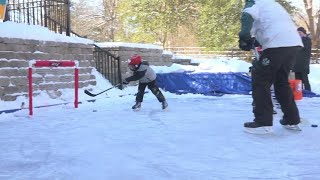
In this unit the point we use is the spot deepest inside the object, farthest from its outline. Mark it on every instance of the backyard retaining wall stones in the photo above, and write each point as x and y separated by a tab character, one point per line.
15	55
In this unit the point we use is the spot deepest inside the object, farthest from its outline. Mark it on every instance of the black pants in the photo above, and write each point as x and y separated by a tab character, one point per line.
305	80
154	89
273	67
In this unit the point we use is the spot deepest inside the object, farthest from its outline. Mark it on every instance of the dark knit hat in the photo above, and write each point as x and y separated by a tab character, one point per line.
301	29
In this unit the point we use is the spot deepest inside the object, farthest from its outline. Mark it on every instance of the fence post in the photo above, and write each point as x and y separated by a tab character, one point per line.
119	73
68	18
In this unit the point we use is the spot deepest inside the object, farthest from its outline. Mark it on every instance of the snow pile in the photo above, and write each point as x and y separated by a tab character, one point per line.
124	44
314	78
35	32
221	64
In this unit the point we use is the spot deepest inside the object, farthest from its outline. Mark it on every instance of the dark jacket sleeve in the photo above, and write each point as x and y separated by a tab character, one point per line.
246	22
246	25
136	76
303	57
307	46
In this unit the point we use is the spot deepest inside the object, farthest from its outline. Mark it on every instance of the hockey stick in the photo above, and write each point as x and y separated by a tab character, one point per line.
93	95
256	52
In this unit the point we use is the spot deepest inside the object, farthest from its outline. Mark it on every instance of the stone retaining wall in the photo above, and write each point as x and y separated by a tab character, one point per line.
15	55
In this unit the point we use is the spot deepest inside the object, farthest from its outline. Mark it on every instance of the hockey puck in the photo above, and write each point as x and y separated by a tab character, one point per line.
314	125
94	110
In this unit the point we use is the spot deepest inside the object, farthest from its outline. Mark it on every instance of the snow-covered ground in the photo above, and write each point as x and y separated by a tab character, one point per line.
197	138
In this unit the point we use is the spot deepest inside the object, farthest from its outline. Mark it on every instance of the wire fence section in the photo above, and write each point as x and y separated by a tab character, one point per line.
202	52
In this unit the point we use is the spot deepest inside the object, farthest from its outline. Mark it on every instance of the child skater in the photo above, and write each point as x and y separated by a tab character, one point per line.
147	77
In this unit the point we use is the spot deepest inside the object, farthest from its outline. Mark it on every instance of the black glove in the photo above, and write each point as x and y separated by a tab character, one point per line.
246	44
125	81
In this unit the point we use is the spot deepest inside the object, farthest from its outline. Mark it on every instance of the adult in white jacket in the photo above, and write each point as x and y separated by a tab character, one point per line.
273	28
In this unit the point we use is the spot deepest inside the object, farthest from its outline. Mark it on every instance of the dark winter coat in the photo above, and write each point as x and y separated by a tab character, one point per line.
303	57
144	74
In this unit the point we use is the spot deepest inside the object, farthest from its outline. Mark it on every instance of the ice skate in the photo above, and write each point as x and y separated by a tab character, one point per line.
137	106
290	126
255	128
274	112
164	104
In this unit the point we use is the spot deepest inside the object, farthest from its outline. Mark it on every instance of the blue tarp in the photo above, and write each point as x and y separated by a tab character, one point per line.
215	84
309	94
205	83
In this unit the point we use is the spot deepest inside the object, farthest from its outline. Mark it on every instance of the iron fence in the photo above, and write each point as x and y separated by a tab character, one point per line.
108	65
53	14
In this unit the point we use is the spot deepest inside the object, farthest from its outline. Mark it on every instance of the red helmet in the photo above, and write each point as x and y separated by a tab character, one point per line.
135	60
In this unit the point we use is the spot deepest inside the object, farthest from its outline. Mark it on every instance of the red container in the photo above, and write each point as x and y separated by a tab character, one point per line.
296	86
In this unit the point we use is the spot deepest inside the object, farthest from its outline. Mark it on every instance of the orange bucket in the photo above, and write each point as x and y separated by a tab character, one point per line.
296	86
2	11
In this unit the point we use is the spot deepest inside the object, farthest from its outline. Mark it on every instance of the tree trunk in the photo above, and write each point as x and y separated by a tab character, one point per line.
311	25
317	34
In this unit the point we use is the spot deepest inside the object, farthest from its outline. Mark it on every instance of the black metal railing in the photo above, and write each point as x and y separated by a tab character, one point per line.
53	14
108	65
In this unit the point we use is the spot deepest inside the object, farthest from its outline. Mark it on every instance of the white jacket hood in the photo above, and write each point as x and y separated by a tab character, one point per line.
273	26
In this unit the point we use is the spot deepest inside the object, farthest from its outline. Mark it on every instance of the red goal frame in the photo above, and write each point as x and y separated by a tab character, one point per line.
53	64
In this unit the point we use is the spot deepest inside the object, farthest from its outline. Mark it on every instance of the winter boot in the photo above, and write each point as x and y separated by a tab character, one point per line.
137	106
256	128
164	104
